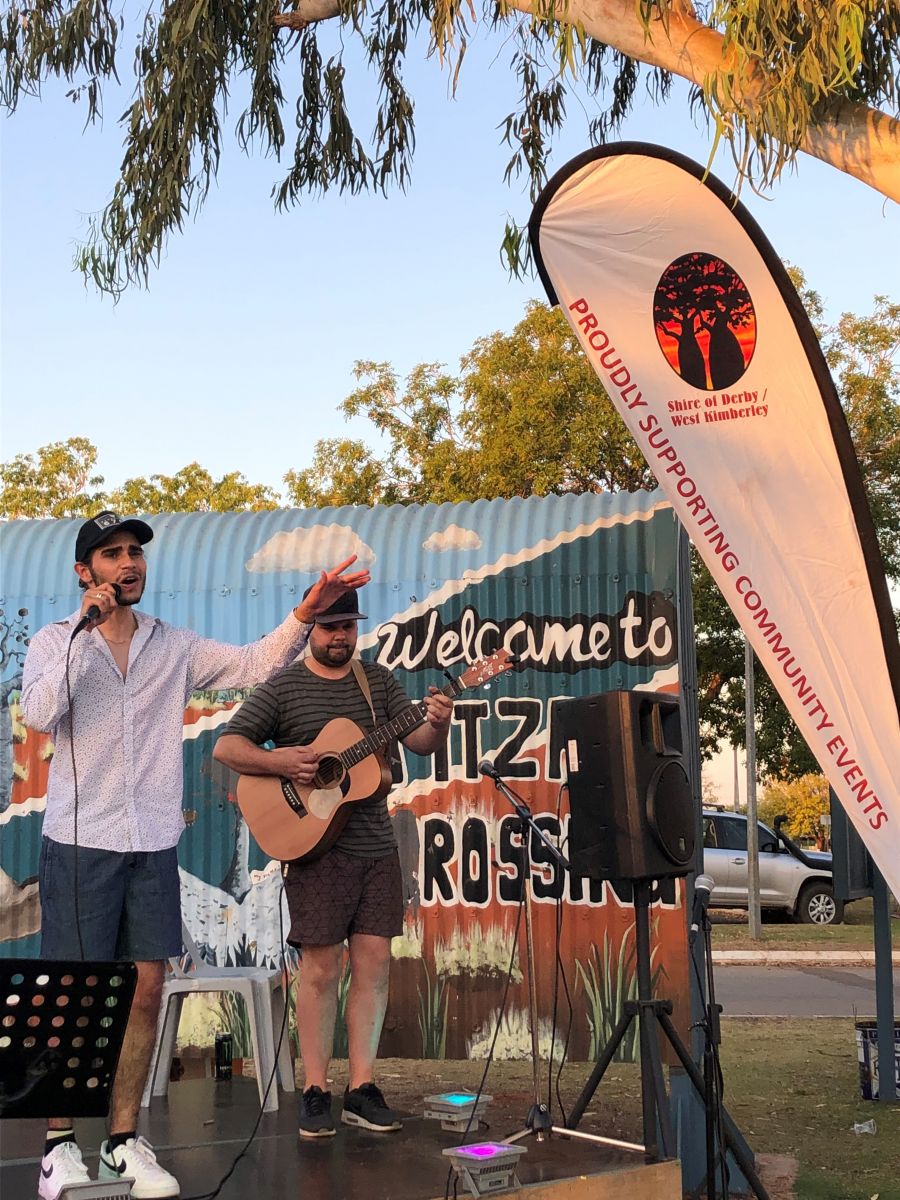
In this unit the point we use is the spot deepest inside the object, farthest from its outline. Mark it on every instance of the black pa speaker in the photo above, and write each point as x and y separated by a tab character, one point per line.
632	812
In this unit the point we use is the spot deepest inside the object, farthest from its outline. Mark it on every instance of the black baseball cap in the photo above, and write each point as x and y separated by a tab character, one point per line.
104	525
345	608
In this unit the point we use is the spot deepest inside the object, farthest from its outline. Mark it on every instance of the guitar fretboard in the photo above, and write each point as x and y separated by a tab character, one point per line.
406	722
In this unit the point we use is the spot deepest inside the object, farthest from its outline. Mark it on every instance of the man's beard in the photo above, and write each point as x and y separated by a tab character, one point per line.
332	656
121	600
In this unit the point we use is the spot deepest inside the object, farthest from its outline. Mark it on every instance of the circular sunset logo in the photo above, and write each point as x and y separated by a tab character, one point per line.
705	321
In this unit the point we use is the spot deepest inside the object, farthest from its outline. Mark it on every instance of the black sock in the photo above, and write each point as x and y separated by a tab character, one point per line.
119	1139
56	1137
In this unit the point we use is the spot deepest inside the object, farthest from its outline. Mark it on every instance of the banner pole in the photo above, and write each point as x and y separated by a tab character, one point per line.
753	907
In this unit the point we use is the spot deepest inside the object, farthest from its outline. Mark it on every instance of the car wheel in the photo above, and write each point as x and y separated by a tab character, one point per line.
817	906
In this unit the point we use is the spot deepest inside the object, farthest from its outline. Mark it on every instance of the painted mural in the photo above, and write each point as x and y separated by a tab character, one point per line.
581	589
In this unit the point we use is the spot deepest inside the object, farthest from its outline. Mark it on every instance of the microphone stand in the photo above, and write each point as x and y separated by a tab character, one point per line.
712	1072
538	1122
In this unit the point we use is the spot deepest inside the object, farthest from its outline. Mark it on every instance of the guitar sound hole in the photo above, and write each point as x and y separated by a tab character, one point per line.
330	771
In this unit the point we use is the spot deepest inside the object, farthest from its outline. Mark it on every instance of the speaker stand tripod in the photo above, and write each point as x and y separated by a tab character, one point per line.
653	1016
538	1122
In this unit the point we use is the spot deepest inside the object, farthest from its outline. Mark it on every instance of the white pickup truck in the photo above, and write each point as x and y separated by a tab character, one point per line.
802	888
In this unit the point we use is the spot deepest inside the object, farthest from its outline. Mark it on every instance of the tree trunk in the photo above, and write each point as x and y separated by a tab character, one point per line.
858	140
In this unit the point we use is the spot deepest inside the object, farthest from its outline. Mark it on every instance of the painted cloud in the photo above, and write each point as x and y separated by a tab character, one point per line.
454	537
310	550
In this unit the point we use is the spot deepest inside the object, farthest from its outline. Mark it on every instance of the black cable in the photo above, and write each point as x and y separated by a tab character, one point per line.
490	1054
561	972
718	1080
262	1107
75	785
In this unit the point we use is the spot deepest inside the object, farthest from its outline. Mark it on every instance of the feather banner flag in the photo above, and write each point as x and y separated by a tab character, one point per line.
694	328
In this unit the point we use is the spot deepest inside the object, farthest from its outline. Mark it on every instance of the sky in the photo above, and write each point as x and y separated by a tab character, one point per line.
241	350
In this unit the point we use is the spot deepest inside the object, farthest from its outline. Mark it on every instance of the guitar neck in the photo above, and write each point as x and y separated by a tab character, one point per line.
410	719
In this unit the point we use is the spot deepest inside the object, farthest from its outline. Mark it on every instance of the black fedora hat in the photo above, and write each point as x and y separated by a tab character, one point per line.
345	608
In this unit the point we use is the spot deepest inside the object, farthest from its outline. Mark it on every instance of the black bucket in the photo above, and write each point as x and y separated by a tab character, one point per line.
867	1053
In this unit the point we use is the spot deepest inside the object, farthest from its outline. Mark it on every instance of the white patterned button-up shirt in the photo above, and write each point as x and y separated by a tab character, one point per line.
128	732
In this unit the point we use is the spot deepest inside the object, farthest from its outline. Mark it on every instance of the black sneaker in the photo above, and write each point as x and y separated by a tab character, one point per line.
315	1114
365	1106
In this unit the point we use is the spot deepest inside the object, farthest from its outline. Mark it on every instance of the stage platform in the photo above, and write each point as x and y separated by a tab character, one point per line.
203	1124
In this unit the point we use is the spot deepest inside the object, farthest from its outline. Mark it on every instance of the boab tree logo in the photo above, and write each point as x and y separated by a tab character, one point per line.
704	320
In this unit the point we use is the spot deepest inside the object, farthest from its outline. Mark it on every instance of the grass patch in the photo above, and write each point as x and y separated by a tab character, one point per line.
854	934
792	1086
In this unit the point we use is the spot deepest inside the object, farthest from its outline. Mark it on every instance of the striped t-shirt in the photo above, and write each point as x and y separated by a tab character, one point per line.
293	708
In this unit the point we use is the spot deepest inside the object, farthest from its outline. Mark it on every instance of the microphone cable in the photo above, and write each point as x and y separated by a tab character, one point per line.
75	786
262	1107
493	1045
717	1080
560	973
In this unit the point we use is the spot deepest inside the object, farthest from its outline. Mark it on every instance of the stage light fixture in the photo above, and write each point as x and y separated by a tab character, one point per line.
457	1111
486	1167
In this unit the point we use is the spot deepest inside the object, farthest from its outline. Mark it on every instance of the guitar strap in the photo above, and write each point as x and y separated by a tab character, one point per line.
360	676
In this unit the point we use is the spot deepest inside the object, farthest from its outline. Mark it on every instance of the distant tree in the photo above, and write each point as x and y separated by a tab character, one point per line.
192	489
55	481
343	471
772	78
525	416
803	801
864	354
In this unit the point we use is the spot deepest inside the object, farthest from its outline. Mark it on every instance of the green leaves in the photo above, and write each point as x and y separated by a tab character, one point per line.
525	416
56	481
790	63
786	66
49	37
192	489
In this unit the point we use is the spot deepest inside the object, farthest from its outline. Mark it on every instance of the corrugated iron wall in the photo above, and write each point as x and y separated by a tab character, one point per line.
583	588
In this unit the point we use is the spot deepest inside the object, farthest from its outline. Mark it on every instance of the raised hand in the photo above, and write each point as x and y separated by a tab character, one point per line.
330	586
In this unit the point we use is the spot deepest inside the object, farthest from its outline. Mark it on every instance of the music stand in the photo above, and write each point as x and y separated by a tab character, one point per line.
61	1032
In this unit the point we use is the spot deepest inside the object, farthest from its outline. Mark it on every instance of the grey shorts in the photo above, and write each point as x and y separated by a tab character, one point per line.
129	905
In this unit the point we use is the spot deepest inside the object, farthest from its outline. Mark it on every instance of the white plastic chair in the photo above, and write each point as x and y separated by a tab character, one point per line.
262	993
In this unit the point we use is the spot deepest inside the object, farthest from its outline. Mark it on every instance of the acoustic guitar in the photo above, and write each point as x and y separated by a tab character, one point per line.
300	822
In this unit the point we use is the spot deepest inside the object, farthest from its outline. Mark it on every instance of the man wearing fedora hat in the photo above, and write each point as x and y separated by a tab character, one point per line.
111	685
354	890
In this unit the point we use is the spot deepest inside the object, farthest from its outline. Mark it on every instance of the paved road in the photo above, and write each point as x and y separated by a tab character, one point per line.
793	991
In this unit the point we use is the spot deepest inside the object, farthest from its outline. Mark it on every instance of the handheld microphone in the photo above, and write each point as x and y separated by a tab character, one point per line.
486	767
94	612
703	886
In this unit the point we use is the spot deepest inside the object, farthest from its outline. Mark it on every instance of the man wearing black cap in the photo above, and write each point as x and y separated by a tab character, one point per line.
113	892
354	890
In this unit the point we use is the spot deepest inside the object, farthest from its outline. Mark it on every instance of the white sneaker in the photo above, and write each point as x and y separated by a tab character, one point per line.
137	1159
61	1168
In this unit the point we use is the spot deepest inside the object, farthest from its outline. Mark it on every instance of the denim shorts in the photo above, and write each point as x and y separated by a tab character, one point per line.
129	905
